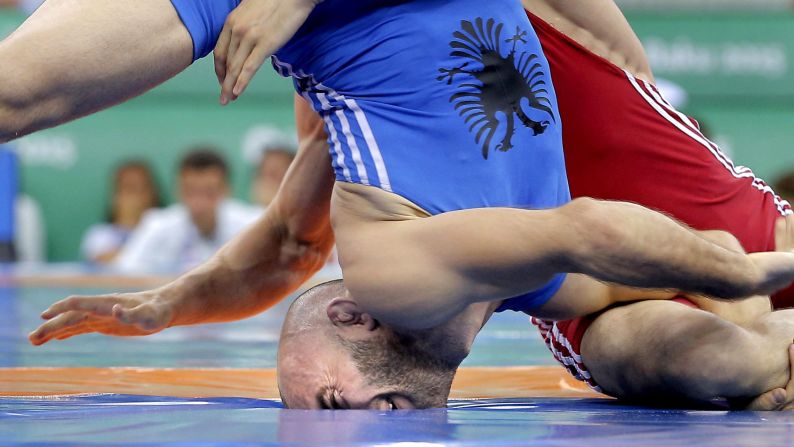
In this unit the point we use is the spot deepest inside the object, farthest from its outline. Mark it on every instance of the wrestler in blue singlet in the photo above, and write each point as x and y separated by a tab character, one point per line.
447	103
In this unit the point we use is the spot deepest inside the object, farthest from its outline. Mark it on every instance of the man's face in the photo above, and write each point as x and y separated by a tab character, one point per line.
134	191
271	172
201	191
323	375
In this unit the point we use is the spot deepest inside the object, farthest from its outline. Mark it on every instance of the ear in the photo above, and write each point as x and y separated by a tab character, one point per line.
345	313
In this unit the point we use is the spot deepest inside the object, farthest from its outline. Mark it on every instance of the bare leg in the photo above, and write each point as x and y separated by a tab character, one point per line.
75	57
658	351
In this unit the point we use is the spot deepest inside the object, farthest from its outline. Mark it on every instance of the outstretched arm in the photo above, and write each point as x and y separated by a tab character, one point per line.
74	57
251	273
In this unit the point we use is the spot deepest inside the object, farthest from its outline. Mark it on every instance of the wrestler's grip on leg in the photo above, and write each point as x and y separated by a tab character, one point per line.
75	57
778	399
125	314
658	352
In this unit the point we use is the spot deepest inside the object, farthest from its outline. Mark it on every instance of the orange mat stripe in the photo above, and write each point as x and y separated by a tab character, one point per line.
531	381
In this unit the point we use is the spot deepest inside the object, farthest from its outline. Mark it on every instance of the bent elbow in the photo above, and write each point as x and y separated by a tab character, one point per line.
595	229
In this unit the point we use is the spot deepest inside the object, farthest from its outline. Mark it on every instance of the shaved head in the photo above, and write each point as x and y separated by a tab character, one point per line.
308	311
314	351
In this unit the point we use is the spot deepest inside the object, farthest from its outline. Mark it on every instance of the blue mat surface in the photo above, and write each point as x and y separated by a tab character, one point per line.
135	420
508	339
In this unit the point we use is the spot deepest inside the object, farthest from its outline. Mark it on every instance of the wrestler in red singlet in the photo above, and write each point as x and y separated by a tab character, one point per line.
624	142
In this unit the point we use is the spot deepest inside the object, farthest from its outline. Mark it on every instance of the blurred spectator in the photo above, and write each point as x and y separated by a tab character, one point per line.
269	174
784	186
22	235
183	235
272	152
30	238
27	6
134	192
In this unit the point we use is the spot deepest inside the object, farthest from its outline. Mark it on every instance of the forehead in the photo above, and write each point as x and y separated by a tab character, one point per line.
207	175
309	381
296	384
132	173
304	368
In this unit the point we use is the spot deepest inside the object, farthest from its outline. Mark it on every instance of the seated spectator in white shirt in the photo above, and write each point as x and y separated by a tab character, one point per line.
271	151
30	238
135	191
182	236
22	234
269	174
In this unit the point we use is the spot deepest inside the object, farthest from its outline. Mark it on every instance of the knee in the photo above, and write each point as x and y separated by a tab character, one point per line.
29	103
16	109
10	123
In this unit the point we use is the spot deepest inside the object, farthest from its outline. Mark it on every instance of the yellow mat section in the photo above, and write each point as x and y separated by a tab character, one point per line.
496	382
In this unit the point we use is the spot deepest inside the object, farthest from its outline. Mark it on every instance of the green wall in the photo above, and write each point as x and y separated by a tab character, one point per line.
737	69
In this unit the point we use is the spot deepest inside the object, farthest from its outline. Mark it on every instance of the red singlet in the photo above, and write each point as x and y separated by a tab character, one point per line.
624	142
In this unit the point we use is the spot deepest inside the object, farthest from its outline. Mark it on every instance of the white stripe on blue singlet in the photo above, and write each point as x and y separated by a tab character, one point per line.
339	159
372	144
326	96
361	170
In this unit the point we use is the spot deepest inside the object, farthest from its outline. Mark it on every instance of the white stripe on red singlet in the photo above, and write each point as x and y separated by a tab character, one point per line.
685	125
551	335
656	95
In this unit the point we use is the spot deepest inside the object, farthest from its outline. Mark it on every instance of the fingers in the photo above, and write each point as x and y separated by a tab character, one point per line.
221	52
779	398
68	333
54	327
234	66
776	271
251	67
769	401
140	320
99	305
231	56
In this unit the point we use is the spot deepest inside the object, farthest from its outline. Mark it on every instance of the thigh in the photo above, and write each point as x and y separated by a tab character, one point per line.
73	57
650	349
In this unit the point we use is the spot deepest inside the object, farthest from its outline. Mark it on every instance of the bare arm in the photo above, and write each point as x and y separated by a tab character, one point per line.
74	57
439	265
251	273
280	252
599	26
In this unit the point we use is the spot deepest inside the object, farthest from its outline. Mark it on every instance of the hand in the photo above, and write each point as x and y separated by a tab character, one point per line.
124	314
252	33
777	399
775	272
